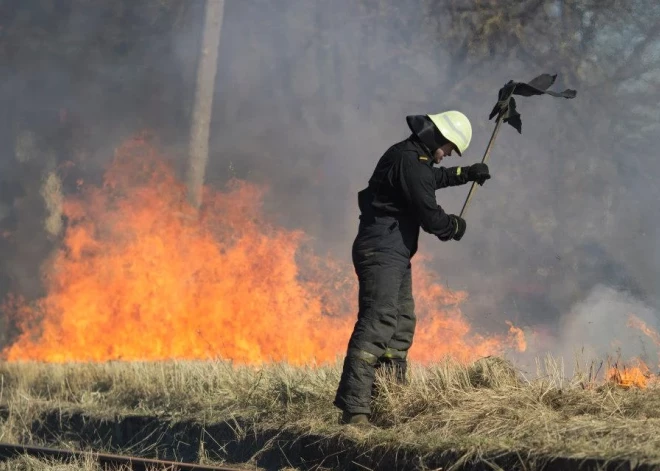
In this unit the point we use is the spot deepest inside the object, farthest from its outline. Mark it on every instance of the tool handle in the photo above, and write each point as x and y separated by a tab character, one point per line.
484	160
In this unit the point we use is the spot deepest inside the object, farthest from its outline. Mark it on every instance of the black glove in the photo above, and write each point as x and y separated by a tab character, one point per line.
478	173
459	226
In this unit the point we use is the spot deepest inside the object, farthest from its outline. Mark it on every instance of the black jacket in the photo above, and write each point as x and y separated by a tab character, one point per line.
401	195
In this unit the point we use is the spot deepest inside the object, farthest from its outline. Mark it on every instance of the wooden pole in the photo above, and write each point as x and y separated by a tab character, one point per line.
484	160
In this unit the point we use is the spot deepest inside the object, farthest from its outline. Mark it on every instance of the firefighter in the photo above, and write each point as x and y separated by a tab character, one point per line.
399	199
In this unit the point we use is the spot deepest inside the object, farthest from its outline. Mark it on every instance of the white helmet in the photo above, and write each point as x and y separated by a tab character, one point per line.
451	125
455	127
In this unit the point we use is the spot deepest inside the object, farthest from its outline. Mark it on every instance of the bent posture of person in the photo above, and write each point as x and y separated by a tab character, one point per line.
399	200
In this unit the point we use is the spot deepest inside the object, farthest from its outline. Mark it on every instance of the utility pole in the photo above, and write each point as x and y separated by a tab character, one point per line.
203	106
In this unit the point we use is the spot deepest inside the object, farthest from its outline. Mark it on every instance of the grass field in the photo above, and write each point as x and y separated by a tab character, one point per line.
479	409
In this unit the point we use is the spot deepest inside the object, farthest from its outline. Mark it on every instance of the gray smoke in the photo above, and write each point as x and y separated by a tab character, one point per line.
605	326
599	326
310	94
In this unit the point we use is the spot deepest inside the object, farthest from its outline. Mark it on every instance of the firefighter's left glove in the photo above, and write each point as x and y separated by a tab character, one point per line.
478	173
459	226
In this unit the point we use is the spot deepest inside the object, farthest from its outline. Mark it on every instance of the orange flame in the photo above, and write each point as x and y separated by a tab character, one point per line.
141	276
634	321
637	375
519	336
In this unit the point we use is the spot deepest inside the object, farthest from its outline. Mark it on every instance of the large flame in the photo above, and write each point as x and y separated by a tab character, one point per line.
141	276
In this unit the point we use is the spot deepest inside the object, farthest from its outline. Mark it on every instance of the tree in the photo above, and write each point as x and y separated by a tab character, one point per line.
203	106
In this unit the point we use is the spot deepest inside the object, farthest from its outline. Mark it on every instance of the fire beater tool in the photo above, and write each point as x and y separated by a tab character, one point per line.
505	110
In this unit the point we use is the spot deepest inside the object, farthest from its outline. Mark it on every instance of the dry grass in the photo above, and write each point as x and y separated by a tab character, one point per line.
29	463
481	408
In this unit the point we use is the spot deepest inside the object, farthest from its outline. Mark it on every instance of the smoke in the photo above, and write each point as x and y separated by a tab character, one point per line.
599	325
308	97
79	78
607	324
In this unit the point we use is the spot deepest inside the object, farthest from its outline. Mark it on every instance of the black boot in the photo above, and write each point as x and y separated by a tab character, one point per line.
354	419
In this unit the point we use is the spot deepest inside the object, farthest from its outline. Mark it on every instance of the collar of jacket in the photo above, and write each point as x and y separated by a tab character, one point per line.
423	150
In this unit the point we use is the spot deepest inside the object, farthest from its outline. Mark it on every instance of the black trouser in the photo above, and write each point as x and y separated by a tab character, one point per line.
386	321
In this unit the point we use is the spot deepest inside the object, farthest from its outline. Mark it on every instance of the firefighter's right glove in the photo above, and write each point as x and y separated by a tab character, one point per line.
459	226
478	173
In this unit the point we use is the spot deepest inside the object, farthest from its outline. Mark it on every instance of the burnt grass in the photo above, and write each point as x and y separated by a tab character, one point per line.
477	417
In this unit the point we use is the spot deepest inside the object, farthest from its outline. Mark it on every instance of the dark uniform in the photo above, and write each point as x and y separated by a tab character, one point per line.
399	200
